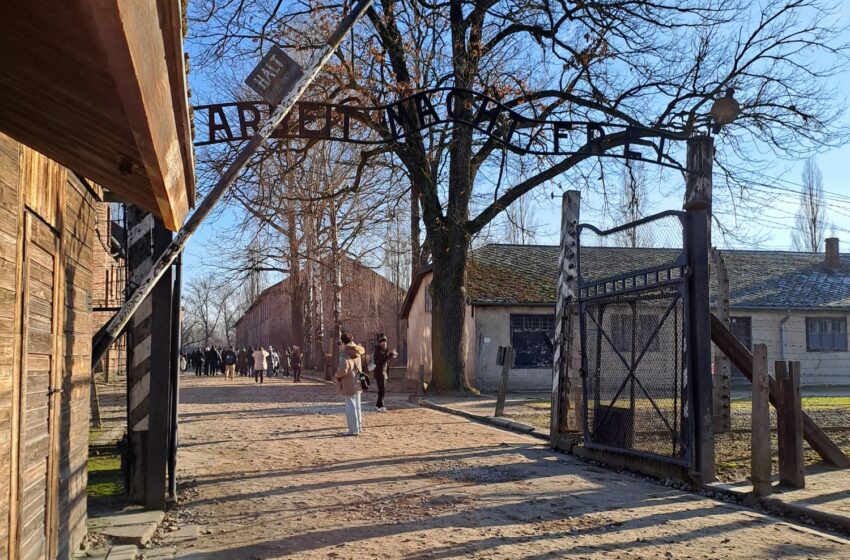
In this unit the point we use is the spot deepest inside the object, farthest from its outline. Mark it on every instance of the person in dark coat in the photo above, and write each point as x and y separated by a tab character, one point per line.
210	363
382	357
219	361
297	357
198	361
229	358
242	362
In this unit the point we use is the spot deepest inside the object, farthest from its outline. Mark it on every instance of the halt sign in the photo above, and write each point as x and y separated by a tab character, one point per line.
274	76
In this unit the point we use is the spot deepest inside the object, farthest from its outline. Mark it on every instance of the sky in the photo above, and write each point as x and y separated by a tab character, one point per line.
769	227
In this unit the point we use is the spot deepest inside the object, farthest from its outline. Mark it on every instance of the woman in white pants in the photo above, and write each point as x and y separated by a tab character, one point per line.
348	384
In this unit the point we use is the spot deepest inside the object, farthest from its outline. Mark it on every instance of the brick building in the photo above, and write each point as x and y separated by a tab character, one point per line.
370	305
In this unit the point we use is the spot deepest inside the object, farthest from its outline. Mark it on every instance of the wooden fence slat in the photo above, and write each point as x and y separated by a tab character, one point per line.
760	446
743	360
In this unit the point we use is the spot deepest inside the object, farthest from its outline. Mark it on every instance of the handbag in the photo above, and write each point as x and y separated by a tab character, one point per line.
364	380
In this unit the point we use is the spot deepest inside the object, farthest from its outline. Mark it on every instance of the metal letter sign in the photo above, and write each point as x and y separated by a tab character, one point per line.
275	75
237	121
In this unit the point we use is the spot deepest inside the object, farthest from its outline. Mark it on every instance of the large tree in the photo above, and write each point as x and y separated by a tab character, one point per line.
655	64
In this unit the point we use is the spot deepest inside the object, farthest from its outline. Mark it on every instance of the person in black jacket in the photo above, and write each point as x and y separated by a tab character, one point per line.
381	357
229	358
198	361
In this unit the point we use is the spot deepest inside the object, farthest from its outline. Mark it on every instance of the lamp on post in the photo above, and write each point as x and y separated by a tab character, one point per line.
724	110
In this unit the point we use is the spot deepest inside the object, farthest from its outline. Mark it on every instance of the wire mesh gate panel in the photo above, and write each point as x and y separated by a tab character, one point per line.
632	295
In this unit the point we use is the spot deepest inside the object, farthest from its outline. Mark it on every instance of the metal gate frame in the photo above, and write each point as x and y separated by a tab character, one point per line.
687	275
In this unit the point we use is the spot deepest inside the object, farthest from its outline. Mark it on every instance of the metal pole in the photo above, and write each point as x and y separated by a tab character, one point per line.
175	377
110	331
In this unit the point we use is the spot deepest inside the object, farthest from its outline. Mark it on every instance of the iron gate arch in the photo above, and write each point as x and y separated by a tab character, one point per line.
634	305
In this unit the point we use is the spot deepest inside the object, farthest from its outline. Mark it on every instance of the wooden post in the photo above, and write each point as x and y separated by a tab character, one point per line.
159	370
564	316
760	443
507	362
698	187
697	316
722	370
420	386
790	425
743	360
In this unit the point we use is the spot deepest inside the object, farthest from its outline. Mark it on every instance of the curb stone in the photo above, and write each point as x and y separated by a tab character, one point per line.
501	423
123	552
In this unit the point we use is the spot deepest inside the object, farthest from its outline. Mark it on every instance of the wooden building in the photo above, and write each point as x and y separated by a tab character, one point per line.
93	99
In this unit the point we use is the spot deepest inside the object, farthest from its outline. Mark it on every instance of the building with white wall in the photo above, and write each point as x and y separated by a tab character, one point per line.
796	303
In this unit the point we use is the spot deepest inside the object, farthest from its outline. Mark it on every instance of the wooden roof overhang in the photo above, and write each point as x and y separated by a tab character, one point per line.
100	87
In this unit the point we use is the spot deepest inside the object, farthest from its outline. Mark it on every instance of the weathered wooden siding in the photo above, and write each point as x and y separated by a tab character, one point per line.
46	239
9	336
76	374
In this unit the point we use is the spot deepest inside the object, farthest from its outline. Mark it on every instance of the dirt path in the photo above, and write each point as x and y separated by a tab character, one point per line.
266	475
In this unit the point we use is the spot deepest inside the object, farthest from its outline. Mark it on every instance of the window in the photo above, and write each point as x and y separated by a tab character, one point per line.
428	302
532	337
828	334
621	333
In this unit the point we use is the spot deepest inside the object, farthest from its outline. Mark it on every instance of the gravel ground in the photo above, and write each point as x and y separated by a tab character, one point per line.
265	474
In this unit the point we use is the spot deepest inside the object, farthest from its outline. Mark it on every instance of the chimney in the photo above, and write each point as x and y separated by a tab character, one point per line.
832	260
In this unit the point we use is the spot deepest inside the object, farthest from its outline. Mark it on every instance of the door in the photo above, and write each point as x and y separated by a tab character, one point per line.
39	373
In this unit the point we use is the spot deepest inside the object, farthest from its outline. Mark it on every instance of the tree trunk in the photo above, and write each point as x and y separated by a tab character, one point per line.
448	312
309	297
337	283
296	289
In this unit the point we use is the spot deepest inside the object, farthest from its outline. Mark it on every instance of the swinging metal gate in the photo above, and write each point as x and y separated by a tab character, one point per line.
634	296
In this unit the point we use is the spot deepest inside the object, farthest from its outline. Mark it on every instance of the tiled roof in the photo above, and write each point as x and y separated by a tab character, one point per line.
523	274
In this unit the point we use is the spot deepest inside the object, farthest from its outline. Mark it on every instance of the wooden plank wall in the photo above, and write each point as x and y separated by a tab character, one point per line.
9	336
51	262
76	374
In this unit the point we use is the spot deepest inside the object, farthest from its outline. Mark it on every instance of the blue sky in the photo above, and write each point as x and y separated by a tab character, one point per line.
767	228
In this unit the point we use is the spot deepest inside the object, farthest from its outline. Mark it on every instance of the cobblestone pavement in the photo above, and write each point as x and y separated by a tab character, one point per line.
266	474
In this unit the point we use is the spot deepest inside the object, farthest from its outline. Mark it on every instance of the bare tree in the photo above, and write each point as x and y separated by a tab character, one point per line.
810	221
203	310
646	64
632	207
521	225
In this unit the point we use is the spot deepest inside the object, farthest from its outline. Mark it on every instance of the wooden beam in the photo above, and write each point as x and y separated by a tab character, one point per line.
131	35
743	360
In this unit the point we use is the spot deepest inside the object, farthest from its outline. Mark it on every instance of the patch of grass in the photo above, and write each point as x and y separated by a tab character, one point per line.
540	405
105	480
809	403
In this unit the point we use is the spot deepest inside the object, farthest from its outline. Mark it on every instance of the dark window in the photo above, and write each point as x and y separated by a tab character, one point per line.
532	337
428	298
827	334
621	332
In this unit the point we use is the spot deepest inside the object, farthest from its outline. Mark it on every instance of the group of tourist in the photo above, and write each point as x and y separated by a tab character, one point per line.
351	372
258	362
